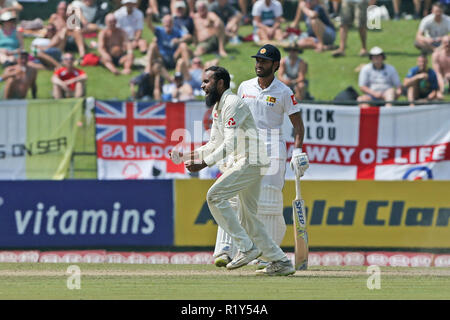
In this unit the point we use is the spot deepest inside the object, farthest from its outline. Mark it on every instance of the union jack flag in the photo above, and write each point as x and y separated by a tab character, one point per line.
130	122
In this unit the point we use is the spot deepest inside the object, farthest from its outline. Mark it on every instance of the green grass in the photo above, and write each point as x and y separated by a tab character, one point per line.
200	282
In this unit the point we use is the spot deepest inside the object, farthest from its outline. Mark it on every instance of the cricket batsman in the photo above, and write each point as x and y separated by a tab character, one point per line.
234	136
269	99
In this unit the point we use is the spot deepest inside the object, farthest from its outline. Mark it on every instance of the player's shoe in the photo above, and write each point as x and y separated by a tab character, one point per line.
222	260
261	264
244	258
278	268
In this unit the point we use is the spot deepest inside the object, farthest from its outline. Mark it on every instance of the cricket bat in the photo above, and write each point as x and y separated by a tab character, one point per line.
300	233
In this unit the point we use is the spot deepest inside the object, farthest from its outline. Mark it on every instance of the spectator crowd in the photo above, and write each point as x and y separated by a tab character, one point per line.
110	33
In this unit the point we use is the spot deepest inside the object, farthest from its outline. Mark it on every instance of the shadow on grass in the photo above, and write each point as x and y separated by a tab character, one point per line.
400	53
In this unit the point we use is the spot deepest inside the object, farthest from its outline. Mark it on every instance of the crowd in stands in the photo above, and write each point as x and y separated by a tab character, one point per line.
110	33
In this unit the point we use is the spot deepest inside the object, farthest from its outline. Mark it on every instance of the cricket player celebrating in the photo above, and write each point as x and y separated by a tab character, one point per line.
268	99
234	135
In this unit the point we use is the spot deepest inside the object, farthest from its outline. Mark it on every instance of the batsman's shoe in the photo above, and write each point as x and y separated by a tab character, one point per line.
277	268
261	264
244	258
222	260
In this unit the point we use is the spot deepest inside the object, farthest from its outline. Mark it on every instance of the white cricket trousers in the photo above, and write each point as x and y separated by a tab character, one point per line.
243	180
270	209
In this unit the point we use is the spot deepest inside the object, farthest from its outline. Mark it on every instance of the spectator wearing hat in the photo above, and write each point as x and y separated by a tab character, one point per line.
320	29
267	15
11	6
65	19
352	10
68	81
209	31
441	65
19	78
432	29
293	71
114	47
230	17
181	19
11	40
131	20
378	81
421	82
168	46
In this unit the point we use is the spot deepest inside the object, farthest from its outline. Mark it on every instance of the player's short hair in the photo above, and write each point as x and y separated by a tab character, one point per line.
220	73
439	5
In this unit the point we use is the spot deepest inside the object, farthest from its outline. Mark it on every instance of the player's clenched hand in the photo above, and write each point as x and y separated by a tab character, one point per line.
195	166
299	162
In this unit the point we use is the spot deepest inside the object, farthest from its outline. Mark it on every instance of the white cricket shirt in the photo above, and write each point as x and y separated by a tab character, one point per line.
268	107
233	134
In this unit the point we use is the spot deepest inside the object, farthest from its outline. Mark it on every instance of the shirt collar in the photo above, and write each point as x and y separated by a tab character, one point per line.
268	88
382	67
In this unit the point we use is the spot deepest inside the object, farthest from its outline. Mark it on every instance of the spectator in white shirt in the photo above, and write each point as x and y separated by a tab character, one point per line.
378	81
131	20
432	29
267	16
88	14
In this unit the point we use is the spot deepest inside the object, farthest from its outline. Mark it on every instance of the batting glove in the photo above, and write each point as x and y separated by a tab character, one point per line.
299	162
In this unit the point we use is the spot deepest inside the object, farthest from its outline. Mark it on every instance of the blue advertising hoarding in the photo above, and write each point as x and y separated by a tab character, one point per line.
89	213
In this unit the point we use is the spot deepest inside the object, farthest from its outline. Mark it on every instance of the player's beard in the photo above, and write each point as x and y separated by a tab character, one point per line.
265	72
212	97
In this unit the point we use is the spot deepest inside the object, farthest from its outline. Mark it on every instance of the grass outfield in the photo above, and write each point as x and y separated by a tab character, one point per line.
200	282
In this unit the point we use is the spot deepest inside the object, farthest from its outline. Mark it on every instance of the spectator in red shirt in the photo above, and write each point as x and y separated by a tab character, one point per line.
69	82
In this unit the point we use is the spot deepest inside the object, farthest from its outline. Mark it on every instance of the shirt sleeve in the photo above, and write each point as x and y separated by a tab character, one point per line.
433	80
58	72
423	24
290	104
158	32
363	79
395	78
411	73
234	115
214	140
278	9
256	11
139	20
80	72
181	32
239	91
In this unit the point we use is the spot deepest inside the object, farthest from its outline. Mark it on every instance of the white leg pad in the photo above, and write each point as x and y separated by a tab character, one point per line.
270	212
275	227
